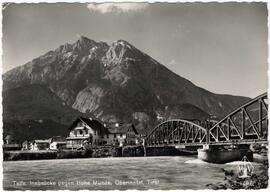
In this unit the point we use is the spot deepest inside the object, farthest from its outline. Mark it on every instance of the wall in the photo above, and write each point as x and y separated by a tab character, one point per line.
133	151
63	154
167	151
111	138
224	156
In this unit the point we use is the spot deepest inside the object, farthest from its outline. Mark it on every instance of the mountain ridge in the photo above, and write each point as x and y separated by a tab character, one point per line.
114	82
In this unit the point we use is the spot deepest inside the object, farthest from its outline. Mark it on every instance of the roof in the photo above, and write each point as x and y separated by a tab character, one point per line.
57	139
76	138
93	123
142	131
123	129
9	137
7	146
79	128
59	142
42	141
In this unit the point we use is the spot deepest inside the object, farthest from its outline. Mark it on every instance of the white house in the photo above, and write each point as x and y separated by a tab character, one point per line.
84	131
90	131
25	145
39	144
57	142
123	134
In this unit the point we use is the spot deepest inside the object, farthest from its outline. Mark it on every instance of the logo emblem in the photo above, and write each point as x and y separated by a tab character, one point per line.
245	168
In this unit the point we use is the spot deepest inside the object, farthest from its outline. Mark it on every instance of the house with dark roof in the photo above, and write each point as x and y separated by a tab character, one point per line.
57	142
91	131
123	134
86	131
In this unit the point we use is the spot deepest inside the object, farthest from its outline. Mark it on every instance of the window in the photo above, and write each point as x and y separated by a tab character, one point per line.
81	132
121	135
114	135
107	136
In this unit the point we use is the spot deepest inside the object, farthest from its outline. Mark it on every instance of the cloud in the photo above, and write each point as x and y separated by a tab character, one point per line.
116	7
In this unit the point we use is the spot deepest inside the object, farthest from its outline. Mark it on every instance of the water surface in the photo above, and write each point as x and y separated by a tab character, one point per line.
112	173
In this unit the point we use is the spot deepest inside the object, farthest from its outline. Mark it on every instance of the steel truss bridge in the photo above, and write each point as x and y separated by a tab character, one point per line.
247	124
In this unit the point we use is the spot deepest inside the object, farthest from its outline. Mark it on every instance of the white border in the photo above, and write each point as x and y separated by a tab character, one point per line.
103	1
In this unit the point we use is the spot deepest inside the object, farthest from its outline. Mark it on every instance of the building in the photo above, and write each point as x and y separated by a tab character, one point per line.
90	131
142	133
9	139
57	142
37	145
86	131
12	147
125	134
26	145
10	144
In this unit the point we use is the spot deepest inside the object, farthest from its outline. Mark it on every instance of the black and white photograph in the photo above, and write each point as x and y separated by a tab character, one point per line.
134	96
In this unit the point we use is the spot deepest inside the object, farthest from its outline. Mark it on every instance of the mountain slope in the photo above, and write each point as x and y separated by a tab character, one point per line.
31	129
113	83
36	102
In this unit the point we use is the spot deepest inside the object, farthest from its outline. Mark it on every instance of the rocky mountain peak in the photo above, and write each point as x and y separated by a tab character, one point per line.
64	48
85	40
122	43
122	49
83	45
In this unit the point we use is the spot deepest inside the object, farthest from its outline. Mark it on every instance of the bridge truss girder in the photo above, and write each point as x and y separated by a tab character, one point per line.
246	124
177	131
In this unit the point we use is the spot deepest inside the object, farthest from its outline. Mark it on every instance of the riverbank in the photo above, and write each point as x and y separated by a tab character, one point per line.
45	154
97	152
258	180
94	152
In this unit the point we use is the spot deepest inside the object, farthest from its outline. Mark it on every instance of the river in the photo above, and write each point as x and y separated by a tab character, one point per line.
164	173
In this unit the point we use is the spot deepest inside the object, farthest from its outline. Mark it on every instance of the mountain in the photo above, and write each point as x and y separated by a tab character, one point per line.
36	102
33	129
113	83
35	112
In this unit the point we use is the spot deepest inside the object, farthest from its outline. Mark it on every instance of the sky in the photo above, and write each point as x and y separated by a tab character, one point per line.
221	47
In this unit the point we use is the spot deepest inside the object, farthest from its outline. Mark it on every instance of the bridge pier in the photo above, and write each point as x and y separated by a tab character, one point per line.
218	154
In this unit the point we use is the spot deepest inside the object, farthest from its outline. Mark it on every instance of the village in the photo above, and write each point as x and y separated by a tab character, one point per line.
83	132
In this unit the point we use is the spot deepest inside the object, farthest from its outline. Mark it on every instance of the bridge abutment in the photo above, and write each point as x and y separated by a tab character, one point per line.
217	154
